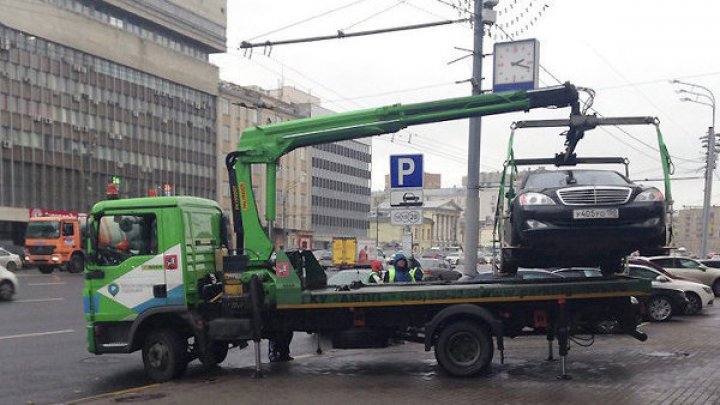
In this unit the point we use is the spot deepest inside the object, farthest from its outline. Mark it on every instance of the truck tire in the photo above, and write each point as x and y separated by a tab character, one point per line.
77	263
7	290
215	354
507	265
45	269
165	355
464	349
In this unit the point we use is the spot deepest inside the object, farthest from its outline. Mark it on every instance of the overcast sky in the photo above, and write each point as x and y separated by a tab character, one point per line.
625	50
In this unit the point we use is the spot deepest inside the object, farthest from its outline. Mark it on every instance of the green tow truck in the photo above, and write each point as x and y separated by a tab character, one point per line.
163	275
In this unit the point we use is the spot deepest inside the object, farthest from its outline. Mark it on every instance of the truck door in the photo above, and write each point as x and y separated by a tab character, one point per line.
127	269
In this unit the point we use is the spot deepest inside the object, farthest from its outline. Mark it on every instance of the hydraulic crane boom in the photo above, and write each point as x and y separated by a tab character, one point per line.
266	144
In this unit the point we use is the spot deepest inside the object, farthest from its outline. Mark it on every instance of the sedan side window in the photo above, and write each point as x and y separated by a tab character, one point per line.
664	262
689	264
643	273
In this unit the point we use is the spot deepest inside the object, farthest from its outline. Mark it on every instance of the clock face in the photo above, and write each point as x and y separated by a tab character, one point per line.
515	62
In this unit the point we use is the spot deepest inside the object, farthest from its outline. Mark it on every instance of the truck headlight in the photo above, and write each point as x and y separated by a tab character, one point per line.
54	258
649	195
535	199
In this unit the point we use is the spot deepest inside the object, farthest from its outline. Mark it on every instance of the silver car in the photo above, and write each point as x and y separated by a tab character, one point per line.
8	284
10	261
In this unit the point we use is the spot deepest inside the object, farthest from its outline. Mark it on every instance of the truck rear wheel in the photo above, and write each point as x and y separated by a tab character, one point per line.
165	355
464	349
45	269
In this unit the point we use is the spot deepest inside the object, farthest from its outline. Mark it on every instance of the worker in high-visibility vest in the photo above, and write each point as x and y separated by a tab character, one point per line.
400	271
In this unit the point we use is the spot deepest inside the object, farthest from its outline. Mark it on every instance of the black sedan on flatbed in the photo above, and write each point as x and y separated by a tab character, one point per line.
568	218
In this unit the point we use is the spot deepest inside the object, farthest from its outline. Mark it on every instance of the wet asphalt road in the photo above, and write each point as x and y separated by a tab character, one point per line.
43	355
43	360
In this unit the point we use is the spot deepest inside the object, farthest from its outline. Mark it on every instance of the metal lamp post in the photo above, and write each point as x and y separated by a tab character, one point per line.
702	95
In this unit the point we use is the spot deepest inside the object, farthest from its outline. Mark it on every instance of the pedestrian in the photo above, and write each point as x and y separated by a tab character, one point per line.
375	276
400	271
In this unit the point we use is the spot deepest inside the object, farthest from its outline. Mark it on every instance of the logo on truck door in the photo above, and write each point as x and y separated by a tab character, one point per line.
171	262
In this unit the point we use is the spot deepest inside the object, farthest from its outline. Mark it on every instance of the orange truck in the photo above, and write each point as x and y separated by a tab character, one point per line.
55	242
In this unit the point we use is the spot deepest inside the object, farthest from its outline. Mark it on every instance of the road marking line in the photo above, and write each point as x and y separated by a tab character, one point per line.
112	394
58	283
38	300
24	335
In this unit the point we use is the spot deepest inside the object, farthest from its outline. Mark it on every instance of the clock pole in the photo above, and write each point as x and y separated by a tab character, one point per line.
472	223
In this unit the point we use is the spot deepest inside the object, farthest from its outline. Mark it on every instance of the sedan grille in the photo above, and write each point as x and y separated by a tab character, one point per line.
594	195
41	250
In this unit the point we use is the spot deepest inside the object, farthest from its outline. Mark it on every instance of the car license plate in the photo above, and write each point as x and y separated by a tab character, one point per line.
596	213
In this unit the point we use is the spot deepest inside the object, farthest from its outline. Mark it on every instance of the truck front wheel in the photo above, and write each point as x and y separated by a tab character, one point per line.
45	269
464	349
165	355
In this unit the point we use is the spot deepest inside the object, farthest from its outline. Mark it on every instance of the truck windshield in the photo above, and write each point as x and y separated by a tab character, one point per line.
124	236
43	230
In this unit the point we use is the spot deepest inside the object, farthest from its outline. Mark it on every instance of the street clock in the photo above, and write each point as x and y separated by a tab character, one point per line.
516	65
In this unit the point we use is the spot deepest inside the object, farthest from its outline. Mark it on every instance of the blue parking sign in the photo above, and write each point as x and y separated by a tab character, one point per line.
406	171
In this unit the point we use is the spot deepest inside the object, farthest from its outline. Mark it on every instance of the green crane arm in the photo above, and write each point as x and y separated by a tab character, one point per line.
266	144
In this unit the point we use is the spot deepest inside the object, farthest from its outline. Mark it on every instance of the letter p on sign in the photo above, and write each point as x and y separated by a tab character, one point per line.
406	171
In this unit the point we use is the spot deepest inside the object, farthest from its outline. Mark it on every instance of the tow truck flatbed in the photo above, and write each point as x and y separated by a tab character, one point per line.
385	295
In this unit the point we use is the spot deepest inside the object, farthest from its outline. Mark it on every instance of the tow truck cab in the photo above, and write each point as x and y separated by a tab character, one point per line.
146	257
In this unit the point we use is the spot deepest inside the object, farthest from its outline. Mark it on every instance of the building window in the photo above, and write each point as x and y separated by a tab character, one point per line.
226	133
224	106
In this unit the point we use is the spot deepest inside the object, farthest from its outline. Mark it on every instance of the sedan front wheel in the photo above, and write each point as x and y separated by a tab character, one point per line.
659	309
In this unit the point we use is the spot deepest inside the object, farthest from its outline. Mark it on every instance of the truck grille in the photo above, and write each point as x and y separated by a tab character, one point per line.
41	250
594	195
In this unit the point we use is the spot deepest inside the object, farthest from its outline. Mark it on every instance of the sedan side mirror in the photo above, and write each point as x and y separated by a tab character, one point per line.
662	279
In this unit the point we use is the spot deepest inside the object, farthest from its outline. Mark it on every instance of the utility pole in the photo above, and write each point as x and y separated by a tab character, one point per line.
472	212
377	226
698	94
707	203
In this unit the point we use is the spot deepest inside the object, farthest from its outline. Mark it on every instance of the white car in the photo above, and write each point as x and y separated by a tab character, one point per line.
10	261
454	258
699	295
691	269
8	284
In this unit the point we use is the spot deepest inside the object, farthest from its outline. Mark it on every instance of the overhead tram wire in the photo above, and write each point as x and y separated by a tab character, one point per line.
348	5
549	73
426	149
370	17
341	34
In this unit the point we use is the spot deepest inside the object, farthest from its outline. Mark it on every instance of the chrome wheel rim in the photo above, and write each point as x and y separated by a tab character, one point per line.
660	309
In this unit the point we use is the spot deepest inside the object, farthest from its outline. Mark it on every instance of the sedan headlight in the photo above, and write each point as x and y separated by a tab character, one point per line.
535	199
708	290
650	195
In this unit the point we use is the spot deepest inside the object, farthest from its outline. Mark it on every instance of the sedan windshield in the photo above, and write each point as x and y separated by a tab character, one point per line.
541	180
43	230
